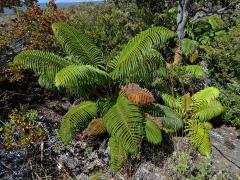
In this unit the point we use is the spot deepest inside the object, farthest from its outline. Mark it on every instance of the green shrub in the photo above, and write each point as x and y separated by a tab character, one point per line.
112	26
230	98
21	130
108	26
223	59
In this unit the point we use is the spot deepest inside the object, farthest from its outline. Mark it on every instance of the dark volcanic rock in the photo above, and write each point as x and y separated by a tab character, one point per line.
149	171
13	165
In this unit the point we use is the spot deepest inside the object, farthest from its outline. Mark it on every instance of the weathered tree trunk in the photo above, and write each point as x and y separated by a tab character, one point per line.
182	17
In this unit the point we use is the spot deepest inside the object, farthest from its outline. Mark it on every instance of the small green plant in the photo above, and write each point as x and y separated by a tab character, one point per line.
204	168
183	167
12	73
21	131
88	150
98	175
207	29
8	131
31	116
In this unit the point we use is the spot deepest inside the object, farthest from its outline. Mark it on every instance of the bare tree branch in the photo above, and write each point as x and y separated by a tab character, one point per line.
182	17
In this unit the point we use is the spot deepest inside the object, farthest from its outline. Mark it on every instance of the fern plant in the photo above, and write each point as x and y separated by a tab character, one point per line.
195	111
188	46
123	119
138	58
83	68
76	73
77	118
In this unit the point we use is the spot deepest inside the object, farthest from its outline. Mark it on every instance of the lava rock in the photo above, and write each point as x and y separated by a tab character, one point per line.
148	171
226	150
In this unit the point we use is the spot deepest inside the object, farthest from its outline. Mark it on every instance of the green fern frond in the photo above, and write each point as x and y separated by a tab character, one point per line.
118	155
104	104
124	121
194	70
141	72
216	22
172	121
77	118
154	110
97	176
78	80
169	112
73	60
75	43
153	133
188	46
207	94
198	134
45	82
133	57
112	64
42	62
171	124
170	101
162	72
205	111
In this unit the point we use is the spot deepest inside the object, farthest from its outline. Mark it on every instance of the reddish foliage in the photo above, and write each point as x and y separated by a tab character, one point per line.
35	26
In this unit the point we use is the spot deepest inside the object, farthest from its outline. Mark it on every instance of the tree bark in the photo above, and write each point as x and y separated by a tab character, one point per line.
182	17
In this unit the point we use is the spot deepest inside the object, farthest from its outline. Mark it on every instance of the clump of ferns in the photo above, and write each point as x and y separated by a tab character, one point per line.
195	112
124	119
84	70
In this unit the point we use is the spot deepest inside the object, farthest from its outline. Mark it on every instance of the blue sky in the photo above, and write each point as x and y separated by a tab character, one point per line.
43	1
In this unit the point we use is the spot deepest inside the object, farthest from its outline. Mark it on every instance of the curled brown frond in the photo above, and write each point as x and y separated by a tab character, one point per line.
137	95
194	56
177	56
96	127
154	120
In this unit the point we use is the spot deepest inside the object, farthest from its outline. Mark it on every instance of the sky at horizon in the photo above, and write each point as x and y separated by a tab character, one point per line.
65	1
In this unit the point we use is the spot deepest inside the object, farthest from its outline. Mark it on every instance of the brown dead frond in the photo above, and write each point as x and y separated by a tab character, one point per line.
194	56
96	127
138	95
154	120
177	56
